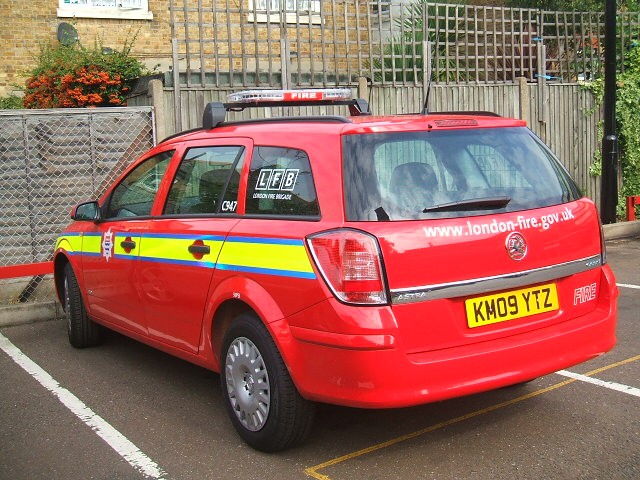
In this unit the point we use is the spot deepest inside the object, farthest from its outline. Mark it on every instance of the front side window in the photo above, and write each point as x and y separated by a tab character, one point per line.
443	174
125	9
281	183
207	181
135	194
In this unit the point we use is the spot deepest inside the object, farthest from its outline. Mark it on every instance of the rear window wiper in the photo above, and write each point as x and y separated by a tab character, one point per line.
487	203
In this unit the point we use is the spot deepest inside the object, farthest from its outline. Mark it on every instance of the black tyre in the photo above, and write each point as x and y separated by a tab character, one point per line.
262	401
82	331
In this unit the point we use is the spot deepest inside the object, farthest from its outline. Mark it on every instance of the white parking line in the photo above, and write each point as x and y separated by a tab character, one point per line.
125	448
601	383
626	285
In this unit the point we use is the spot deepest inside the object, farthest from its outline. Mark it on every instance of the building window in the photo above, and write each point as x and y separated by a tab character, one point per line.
125	9
290	5
295	11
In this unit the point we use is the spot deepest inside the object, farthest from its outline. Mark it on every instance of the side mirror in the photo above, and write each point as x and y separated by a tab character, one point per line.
86	212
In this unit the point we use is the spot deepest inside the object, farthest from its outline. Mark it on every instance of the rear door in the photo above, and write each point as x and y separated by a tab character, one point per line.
179	251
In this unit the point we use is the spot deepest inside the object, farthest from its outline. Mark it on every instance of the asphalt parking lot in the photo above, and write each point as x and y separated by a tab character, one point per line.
126	411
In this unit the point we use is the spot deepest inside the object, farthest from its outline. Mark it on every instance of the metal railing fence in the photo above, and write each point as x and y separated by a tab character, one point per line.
49	161
261	44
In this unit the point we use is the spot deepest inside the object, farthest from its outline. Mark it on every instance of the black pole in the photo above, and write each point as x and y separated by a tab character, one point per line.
609	181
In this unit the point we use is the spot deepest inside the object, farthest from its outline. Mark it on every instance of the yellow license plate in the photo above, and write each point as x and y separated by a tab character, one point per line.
511	305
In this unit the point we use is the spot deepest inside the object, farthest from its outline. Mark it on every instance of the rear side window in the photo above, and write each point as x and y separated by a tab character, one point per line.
206	181
281	183
414	175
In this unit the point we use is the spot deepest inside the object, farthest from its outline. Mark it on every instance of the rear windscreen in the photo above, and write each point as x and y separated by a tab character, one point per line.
443	174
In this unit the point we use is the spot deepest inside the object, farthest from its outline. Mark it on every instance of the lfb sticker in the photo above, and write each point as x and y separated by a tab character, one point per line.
584	294
277	179
107	244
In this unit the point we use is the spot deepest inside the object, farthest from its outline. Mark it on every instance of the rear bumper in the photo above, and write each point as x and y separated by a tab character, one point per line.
374	373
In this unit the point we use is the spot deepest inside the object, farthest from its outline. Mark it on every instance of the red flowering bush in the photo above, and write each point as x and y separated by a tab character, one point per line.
72	76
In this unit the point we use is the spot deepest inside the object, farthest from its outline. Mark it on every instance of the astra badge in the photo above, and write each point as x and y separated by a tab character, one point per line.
516	246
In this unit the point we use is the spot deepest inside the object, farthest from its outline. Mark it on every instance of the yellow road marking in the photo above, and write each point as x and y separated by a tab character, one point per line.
314	471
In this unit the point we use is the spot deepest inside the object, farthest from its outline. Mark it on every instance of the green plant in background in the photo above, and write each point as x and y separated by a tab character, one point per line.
10	102
75	76
627	123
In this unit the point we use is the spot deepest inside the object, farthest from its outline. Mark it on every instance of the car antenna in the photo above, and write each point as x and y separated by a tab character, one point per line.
426	49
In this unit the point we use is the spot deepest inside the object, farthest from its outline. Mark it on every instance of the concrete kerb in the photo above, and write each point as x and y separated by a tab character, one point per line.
617	231
29	313
42	311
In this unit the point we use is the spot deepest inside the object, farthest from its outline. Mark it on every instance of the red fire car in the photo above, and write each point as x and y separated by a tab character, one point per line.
365	261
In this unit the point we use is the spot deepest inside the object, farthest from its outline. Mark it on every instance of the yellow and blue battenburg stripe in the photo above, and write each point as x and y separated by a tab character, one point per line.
91	244
267	256
174	248
80	243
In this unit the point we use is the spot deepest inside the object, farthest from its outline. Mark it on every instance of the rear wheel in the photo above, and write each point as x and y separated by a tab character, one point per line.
82	331
262	401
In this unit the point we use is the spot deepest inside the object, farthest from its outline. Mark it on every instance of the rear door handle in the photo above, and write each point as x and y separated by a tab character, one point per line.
199	249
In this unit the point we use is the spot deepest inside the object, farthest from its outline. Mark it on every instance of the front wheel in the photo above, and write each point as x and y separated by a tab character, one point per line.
82	331
264	405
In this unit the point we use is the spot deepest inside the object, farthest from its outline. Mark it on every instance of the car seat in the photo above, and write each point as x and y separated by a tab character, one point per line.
413	186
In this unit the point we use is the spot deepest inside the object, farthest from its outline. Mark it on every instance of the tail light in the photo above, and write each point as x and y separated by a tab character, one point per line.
351	265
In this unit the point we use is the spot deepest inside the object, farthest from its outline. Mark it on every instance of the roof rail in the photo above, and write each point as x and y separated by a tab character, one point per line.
179	134
215	112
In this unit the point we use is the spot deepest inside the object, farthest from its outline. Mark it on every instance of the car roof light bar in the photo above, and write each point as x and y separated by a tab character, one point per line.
215	112
297	98
311	95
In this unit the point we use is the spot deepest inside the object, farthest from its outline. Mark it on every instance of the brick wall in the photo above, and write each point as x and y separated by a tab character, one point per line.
26	25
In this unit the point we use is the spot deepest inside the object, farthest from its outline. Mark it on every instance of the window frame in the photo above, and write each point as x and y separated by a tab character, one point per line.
238	161
258	14
67	9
